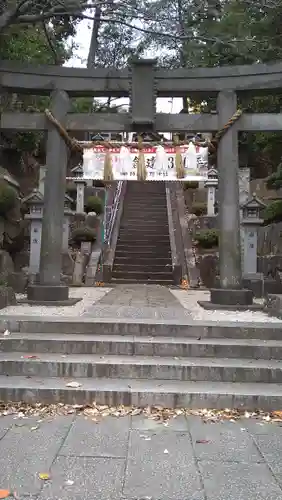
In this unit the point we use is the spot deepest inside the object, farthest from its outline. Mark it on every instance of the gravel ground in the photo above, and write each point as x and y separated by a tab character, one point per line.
188	299
89	297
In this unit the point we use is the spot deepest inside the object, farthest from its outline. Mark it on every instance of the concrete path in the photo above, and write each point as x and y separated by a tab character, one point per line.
138	301
130	458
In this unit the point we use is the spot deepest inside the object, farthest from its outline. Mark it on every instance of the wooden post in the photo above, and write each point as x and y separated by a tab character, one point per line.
49	287
230	291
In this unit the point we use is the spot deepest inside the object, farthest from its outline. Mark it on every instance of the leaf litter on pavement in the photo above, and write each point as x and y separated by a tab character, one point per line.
96	412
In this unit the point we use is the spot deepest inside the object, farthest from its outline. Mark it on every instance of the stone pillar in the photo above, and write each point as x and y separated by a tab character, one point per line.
211	183
211	200
66	231
49	287
230	291
42	175
80	186
35	244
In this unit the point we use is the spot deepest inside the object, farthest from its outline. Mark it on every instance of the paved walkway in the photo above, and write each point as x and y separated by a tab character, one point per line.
130	458
138	301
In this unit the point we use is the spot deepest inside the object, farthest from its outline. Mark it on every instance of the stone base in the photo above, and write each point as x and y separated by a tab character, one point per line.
226	298
58	303
47	293
255	283
209	306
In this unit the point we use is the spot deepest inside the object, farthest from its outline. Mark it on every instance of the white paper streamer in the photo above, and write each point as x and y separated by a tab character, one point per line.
190	157
161	160
87	163
125	161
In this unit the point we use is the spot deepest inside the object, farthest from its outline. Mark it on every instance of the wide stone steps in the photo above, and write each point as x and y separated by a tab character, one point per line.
174	364
142	367
142	346
142	259
138	281
166	393
141	267
140	276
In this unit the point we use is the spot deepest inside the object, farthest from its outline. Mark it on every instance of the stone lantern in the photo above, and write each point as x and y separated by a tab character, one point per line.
35	204
211	183
80	182
252	219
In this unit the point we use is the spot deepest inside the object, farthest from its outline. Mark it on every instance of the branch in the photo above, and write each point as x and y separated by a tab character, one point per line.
50	44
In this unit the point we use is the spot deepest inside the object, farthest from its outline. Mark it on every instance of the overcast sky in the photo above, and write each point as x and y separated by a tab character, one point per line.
80	57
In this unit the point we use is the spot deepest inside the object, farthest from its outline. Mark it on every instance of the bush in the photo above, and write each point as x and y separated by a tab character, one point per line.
273	212
83	234
199	209
94	204
190	185
8	198
207	238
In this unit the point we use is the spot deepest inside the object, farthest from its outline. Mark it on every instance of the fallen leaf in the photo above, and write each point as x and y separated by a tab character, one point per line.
147	439
44	476
165	451
69	482
202	441
31	356
34	428
277	414
136	411
4	493
73	384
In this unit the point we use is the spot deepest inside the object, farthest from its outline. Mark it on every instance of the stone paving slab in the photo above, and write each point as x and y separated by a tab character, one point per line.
130	458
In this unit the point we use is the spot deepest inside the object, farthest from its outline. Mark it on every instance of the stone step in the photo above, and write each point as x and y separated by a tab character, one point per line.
65	344
144	240
143	275
147	240
121	259
143	281
142	367
135	254
133	208
144	226
143	248
142	393
149	268
141	327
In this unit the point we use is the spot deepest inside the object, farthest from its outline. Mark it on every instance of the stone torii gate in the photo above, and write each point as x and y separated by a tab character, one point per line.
142	82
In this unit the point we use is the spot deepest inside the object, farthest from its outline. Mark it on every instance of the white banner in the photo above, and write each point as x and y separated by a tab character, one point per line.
159	162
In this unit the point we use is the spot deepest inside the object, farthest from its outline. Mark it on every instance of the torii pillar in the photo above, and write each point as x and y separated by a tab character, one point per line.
50	289
230	293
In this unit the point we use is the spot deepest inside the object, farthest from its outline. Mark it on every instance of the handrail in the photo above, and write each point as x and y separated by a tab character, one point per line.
110	225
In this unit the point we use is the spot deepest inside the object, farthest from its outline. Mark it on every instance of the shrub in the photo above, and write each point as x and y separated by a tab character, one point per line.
94	204
199	209
207	238
8	198
190	185
83	234
273	212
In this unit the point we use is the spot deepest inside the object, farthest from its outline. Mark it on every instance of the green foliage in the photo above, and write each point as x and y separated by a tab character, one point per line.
94	204
32	44
83	234
274	181
207	238
199	208
273	212
8	198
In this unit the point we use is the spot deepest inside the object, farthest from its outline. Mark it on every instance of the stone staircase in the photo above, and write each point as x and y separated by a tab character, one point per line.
143	253
174	364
